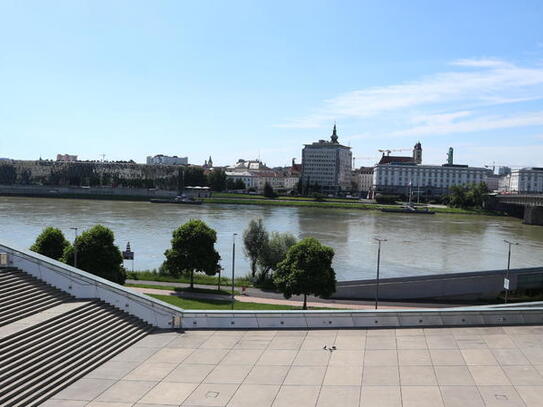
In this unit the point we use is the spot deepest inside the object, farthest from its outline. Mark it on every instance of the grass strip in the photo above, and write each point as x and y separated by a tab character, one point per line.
184	289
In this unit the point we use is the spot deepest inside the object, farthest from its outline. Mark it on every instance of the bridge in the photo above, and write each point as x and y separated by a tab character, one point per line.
527	206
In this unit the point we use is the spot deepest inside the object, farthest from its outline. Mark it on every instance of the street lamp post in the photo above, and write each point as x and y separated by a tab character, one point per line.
233	264
378	265
75	247
506	280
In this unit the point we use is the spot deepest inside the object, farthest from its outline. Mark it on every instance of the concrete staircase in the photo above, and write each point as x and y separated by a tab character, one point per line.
43	359
23	295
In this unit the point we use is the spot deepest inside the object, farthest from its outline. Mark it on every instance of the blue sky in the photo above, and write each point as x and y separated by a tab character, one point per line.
242	79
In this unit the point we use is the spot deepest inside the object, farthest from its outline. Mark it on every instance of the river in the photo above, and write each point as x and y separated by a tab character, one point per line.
416	244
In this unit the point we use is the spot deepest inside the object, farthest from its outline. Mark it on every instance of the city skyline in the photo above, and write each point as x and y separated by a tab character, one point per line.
248	80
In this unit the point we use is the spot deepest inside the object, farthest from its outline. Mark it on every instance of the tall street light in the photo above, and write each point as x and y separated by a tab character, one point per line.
506	280
75	247
378	265
233	264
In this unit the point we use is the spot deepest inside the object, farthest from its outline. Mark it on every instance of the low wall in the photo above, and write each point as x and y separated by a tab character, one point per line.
453	286
81	284
138	194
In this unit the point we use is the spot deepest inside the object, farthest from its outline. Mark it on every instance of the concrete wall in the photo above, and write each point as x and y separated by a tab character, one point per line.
533	215
81	284
462	286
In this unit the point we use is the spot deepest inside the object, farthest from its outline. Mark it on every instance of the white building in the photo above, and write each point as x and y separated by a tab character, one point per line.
426	180
523	181
66	157
363	179
256	174
327	165
167	160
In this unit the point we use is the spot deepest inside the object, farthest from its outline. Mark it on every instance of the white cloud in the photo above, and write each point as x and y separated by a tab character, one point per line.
480	82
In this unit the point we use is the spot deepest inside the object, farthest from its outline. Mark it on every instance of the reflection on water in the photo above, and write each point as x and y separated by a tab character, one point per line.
417	244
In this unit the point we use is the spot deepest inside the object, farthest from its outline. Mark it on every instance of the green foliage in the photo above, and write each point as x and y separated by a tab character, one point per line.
194	177
255	238
307	269
387	199
216	179
97	254
268	191
274	250
51	243
8	174
318	196
193	250
201	279
471	196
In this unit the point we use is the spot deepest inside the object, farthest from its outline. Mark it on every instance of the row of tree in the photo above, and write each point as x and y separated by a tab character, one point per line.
293	267
469	196
96	251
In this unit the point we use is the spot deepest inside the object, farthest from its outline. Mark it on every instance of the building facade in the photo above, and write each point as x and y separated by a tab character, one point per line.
167	160
69	158
327	166
523	181
255	175
425	180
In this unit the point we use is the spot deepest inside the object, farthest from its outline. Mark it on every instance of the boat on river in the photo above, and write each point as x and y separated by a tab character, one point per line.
180	200
410	209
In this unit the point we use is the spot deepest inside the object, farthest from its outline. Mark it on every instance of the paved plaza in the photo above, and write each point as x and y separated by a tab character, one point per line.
452	367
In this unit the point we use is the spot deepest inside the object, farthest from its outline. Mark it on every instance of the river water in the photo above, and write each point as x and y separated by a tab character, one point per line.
416	244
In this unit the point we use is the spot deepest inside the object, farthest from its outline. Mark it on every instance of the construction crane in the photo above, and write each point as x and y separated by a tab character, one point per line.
388	151
361	158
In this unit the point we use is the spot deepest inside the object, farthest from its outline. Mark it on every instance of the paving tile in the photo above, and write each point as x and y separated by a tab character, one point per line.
380	376
499	342
344	375
188	373
500	396
267	375
441	342
346	358
510	357
317	343
277	357
220	342
523	376
357	342
344	396
305	375
112	370
85	389
380	342
380	396
461	396
170	355
453	376
158	340
411	342
134	354
380	358
242	357
228	374
488	376
299	396
421	396
168	393
253	395
210	394
286	342
150	371
312	358
471	342
126	391
417	376
414	357
186	341
108	404
409	332
534	354
481	357
206	356
531	395
447	357
253	343
64	403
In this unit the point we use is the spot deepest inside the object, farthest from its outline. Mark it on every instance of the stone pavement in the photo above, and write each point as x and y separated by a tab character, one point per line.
452	367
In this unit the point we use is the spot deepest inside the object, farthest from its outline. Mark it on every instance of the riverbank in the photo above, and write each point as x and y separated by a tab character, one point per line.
337	205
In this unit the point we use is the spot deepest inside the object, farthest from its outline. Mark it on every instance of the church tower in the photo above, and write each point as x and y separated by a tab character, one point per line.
417	153
334	135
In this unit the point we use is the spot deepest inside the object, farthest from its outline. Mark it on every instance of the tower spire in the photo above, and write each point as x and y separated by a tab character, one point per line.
334	134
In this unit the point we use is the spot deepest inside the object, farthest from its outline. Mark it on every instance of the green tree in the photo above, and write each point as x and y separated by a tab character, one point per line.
216	179
268	191
98	254
239	184
274	251
307	269
255	238
51	243
193	250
